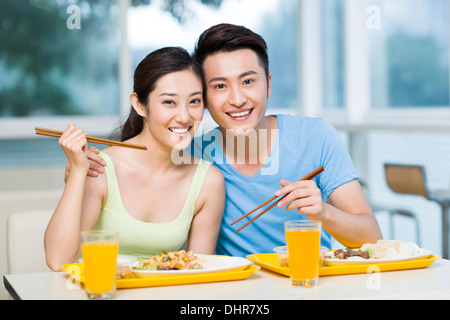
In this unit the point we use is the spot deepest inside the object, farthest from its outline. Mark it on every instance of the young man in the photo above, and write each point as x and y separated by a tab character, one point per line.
257	153
261	155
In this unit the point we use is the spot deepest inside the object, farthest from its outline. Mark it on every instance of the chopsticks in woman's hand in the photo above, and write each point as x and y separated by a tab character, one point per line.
307	177
55	133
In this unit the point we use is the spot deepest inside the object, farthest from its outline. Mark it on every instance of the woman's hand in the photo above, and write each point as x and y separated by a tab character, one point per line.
304	196
74	143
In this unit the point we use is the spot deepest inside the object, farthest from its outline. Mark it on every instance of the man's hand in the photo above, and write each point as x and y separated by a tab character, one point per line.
96	163
304	196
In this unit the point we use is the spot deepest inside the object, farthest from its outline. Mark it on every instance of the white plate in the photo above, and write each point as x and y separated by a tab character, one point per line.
121	260
211	263
422	254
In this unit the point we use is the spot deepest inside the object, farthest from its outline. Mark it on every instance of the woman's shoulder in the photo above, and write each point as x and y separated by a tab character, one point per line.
99	183
212	173
118	158
213	187
213	177
109	153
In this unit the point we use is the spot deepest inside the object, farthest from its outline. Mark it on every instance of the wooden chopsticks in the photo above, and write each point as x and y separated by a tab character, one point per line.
307	177
55	133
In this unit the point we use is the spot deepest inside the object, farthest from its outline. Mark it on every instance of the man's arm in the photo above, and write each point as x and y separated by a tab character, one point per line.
349	218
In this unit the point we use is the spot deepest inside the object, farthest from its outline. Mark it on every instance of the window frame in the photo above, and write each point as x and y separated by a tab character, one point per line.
357	114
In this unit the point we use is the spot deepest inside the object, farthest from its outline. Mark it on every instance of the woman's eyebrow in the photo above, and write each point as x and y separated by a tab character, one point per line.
172	94
168	94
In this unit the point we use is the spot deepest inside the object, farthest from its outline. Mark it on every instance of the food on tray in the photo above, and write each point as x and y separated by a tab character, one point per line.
124	266
123	272
391	249
178	260
282	255
347	253
322	256
380	250
284	262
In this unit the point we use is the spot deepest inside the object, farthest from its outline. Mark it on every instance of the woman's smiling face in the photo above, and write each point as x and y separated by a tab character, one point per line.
237	89
175	109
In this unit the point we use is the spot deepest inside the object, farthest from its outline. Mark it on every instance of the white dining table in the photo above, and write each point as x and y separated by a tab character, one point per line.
432	282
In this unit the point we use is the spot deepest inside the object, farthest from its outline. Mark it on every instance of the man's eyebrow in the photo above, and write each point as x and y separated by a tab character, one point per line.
217	79
242	75
250	72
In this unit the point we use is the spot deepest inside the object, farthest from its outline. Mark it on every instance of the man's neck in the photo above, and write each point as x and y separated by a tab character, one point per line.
248	151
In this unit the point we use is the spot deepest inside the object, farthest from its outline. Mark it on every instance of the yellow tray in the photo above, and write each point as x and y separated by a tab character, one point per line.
75	270
269	261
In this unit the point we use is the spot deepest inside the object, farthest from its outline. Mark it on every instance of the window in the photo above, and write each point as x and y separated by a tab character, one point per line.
332	37
375	55
58	58
409	53
58	62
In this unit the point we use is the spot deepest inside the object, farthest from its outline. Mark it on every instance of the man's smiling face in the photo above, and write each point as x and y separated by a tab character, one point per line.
237	89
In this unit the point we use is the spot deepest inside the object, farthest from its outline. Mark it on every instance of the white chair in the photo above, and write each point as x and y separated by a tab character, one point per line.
25	241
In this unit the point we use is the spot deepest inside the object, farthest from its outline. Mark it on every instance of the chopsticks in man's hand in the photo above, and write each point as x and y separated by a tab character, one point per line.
55	133
307	177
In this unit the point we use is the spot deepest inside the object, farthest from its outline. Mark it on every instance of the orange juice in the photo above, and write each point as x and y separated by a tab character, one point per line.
99	259
303	249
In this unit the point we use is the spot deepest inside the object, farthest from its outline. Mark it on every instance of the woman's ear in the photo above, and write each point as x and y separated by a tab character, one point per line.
137	105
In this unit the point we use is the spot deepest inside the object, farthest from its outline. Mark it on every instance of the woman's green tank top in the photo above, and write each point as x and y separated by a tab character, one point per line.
144	239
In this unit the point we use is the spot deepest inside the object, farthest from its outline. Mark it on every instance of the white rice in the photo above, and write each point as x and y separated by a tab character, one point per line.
391	249
210	262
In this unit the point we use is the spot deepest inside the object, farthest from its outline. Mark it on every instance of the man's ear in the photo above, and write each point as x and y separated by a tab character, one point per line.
137	105
269	85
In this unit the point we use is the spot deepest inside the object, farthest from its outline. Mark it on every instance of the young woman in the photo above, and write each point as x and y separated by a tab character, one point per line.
154	203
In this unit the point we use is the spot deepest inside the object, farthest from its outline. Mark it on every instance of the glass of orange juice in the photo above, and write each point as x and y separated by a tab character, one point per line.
303	243
99	249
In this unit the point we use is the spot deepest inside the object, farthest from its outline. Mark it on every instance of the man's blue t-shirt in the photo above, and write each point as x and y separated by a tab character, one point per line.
302	145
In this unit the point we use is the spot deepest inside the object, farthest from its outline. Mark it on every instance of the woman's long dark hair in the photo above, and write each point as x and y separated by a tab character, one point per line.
153	67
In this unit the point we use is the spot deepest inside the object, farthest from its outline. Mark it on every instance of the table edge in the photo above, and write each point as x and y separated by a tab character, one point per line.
10	289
